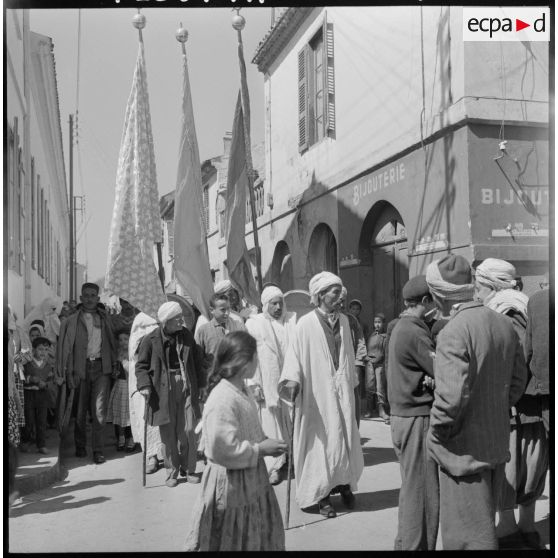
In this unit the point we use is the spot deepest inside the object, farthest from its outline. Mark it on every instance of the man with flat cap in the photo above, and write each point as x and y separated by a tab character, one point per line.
169	375
480	373
319	365
409	375
85	359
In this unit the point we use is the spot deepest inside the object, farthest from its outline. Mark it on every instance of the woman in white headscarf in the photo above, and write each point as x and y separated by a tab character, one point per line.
47	312
142	325
495	282
273	330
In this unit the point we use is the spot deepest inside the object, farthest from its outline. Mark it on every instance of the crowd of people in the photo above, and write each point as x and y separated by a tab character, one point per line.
460	376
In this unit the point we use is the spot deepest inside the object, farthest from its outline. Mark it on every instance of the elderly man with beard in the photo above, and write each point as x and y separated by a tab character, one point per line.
169	375
480	373
496	288
273	330
320	368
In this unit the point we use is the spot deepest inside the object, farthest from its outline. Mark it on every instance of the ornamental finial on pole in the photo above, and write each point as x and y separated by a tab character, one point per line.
138	21
238	22
182	36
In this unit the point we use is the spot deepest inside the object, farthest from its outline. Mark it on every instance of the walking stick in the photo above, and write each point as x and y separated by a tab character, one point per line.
144	445
289	468
67	412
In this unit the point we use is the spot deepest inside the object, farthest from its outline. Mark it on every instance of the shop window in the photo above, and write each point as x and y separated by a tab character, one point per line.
316	89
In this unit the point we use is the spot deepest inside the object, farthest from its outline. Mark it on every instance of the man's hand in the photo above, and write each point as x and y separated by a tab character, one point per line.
146	392
272	447
257	393
202	394
290	390
428	382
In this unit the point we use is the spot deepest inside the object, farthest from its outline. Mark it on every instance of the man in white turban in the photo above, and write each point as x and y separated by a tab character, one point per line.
170	376
495	282
273	330
320	368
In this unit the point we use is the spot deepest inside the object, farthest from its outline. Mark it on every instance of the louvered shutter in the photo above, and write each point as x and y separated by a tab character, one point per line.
330	80
303	99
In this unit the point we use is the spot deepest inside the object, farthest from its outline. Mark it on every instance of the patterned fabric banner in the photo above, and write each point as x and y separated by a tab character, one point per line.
136	223
191	259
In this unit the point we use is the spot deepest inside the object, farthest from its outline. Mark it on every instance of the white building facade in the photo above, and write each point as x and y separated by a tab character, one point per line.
36	211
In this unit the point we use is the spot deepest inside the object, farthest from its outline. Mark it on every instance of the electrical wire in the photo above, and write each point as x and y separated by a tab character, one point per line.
504	92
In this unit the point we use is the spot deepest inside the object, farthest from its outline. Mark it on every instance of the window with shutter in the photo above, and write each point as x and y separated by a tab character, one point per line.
302	100
316	89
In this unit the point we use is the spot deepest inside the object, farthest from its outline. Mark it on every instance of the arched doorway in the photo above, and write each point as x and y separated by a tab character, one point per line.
384	248
282	267
322	250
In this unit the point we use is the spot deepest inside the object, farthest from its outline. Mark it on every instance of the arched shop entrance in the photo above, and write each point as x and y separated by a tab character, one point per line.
383	247
282	267
322	251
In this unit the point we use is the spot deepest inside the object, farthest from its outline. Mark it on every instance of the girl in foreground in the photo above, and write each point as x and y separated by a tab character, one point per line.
237	508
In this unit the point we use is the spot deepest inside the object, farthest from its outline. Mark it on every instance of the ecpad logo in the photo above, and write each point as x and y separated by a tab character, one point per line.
506	24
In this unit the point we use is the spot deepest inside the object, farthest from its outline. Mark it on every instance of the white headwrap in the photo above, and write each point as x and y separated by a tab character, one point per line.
508	299
269	293
167	311
444	290
496	274
222	286
321	282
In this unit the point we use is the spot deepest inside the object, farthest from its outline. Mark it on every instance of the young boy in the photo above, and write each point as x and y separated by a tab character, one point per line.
376	389
38	373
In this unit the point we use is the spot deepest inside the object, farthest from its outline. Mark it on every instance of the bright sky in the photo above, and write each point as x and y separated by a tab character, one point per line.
109	46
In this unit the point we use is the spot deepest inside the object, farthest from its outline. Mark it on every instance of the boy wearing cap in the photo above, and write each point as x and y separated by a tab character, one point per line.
38	373
410	370
169	375
480	373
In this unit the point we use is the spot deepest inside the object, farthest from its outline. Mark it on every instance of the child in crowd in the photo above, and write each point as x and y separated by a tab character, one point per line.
38	374
119	402
237	508
376	385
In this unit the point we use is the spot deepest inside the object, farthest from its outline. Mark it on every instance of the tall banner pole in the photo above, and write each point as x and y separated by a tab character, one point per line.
238	23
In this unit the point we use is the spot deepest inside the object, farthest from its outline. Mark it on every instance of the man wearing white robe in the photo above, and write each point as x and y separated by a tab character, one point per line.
319	368
273	330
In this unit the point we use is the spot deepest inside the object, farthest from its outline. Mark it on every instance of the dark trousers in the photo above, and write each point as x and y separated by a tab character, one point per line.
419	499
92	395
178	440
376	384
36	406
467	509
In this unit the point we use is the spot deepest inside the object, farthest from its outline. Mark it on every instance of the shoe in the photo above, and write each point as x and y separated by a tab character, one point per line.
152	465
513	541
120	445
387	421
130	445
193	478
532	540
81	452
348	497
367	415
326	509
98	457
171	483
275	478
43	450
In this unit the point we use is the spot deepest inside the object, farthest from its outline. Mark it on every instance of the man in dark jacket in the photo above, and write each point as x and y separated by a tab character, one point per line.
170	376
480	373
85	357
411	361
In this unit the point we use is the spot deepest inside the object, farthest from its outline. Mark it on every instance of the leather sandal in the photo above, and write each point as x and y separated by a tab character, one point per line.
326	509
348	497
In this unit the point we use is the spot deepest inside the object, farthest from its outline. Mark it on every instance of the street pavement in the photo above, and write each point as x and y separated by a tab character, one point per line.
104	508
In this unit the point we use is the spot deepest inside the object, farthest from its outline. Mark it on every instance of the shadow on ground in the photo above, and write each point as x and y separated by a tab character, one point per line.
52	505
375	456
543	527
